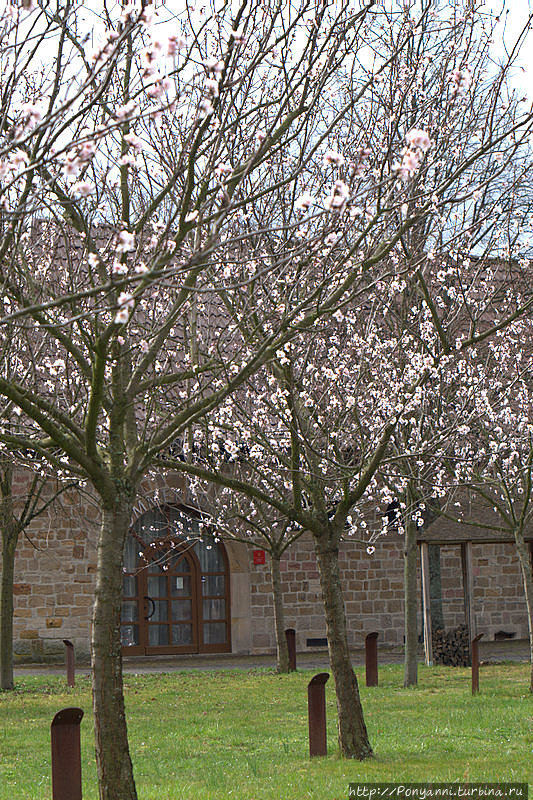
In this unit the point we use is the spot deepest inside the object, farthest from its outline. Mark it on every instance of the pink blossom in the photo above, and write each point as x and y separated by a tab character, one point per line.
408	165
125	242
87	150
418	138
215	66
119	268
211	87
333	158
127	110
338	197
147	16
223	169
134	141
71	166
304	202
32	113
127	160
19	159
77	158
122	316
156	47
83	188
125	299
149	61
127	11
158	88
175	43
206	109
460	80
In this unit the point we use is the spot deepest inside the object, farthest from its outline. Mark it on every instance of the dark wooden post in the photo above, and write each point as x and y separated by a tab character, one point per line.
66	754
71	663
290	635
316	702
371	658
474	647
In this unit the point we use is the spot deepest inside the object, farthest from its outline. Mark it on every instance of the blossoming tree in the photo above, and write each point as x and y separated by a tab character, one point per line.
493	457
236	517
433	201
131	171
177	208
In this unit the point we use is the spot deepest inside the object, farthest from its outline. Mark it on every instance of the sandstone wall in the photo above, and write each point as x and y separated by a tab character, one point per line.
55	571
373	587
55	574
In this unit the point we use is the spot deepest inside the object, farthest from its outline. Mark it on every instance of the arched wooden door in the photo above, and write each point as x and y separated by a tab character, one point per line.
176	588
169	583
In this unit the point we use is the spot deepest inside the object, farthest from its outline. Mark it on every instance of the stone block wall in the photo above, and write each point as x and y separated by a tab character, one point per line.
499	600
55	570
453	608
373	592
373	586
56	565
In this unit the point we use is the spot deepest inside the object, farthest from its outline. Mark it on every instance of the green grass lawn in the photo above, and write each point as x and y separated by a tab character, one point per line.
243	735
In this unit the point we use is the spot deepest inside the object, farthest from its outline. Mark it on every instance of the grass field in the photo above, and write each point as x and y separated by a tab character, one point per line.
243	735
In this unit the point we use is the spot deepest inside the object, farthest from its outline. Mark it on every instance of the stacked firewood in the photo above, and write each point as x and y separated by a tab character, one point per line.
451	647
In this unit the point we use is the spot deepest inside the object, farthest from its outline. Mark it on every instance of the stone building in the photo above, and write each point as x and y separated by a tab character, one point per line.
183	594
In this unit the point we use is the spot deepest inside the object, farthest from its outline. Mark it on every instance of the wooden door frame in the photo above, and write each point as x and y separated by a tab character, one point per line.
144	626
196	596
216	648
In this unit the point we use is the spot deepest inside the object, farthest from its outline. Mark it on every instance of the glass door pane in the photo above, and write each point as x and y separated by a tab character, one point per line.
157	635
214	608
214	632
181	634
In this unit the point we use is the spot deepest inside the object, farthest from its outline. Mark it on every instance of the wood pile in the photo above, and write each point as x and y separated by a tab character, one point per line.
451	647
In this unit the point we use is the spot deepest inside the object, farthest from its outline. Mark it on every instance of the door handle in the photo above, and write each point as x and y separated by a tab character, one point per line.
152	612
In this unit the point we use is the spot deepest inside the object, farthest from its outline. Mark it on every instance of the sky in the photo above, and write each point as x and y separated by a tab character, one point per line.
512	21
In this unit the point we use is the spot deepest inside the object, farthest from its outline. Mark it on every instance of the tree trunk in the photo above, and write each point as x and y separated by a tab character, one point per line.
279	616
9	546
527	576
115	772
353	736
410	677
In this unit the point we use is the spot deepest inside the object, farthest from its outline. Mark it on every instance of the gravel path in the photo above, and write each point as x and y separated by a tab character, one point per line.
512	650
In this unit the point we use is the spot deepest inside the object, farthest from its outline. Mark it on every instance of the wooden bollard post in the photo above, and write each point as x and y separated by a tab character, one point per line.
71	662
316	701
371	659
290	636
66	754
474	648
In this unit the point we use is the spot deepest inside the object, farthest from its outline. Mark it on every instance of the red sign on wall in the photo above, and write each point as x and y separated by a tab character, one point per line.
259	556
